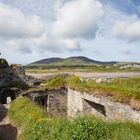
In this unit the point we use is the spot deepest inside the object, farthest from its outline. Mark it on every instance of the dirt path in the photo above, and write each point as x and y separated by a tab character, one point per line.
7	130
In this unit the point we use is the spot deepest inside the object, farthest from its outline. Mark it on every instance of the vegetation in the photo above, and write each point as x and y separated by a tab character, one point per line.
37	126
121	90
55	83
80	64
118	88
41	89
71	61
41	69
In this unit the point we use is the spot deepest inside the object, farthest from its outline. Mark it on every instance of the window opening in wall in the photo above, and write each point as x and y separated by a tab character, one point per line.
98	107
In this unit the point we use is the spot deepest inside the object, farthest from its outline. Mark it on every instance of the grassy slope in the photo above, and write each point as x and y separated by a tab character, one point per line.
37	126
73	62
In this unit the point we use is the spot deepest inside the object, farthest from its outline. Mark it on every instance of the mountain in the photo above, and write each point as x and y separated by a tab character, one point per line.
71	61
48	61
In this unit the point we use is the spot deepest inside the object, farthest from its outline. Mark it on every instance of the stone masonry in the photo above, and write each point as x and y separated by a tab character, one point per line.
53	101
84	104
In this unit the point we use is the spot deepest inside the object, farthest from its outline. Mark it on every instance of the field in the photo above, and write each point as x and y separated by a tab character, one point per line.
58	69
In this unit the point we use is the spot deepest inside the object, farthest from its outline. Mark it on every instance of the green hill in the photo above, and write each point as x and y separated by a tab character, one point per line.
71	61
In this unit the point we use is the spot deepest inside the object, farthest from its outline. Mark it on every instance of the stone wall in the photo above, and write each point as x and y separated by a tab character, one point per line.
83	103
53	101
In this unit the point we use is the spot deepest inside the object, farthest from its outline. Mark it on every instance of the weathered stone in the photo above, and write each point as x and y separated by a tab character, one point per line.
54	101
13	77
84	103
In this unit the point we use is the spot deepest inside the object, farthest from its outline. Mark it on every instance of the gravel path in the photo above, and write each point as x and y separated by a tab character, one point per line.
7	130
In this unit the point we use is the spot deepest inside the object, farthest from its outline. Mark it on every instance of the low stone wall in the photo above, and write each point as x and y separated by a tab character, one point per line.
83	103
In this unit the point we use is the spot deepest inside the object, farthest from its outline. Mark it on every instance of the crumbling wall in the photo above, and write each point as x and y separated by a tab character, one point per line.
83	103
53	101
57	102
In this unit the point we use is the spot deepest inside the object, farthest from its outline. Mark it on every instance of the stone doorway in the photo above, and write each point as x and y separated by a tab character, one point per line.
42	101
6	96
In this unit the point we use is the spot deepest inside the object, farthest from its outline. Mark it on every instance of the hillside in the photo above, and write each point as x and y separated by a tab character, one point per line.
71	61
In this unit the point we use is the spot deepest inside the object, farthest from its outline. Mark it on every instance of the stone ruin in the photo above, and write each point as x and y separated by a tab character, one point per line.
68	102
63	101
13	80
86	104
53	101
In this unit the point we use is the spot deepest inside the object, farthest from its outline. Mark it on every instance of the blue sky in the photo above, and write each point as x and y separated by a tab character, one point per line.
105	30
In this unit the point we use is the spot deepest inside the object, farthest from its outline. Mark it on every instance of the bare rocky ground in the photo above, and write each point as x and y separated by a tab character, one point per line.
94	75
7	130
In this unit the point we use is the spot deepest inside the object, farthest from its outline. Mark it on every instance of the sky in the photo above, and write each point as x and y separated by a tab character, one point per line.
103	30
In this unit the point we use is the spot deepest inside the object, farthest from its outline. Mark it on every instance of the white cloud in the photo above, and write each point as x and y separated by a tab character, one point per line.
78	19
127	29
26	34
50	43
14	24
19	45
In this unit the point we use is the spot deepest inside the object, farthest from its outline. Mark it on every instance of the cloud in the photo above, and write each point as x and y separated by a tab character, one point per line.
21	46
52	44
127	52
14	24
21	32
127	29
78	19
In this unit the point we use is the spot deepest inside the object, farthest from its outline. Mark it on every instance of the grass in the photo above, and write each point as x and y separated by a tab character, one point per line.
122	90
118	88
46	69
37	126
41	89
55	83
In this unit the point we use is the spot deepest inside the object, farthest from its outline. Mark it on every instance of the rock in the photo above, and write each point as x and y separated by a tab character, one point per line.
3	63
101	80
14	77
